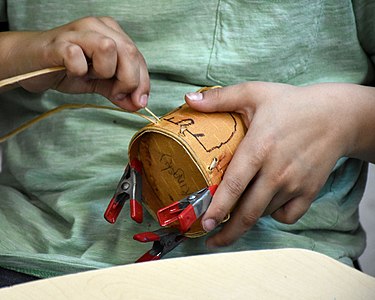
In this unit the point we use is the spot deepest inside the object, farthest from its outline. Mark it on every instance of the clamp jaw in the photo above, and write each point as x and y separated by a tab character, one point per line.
182	214
165	240
129	187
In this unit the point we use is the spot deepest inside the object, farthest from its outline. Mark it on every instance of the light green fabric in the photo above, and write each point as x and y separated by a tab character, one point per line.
59	175
3	11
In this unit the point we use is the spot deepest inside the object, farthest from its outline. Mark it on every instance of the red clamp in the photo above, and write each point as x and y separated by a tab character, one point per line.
165	240
129	187
182	214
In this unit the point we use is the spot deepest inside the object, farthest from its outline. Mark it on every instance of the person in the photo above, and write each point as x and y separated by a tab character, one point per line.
298	72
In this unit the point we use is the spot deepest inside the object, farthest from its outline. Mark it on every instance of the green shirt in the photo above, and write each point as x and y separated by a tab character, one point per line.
59	175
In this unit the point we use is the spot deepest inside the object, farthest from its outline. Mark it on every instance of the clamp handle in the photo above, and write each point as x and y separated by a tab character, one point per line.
136	211
113	210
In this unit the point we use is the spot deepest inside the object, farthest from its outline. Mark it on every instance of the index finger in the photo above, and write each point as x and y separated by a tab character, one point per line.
132	80
241	170
251	207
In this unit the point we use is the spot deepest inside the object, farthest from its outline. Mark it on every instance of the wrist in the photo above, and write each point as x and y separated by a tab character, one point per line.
358	121
363	146
19	53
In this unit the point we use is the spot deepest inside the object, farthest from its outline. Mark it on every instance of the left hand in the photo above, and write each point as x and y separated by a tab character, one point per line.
295	136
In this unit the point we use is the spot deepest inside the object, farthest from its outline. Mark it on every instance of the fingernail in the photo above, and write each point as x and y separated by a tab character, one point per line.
209	225
143	100
195	96
119	97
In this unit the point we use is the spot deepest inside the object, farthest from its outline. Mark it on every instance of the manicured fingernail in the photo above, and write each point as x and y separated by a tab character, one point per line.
209	225
119	97
143	100
195	96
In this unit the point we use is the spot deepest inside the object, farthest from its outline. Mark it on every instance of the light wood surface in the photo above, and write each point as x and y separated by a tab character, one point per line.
266	274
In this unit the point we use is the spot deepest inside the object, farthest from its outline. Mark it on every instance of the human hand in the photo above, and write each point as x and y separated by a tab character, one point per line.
295	136
98	56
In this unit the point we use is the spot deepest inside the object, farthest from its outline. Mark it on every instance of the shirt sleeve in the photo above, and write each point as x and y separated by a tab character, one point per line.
364	11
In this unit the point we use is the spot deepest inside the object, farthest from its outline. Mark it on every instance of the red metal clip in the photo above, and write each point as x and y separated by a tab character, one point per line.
165	240
182	214
129	187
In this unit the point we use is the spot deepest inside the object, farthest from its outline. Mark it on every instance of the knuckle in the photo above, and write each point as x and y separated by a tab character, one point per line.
290	218
220	213
215	93
87	21
107	45
129	50
258	87
248	220
262	150
292	212
74	60
108	19
267	145
312	190
132	50
292	190
132	85
71	52
255	161
293	187
311	194
247	86
234	186
224	241
59	41
280	178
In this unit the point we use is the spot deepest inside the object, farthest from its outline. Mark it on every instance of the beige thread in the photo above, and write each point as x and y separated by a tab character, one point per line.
152	114
29	75
37	119
213	164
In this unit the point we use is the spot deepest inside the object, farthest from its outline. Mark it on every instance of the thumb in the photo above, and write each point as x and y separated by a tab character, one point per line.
232	98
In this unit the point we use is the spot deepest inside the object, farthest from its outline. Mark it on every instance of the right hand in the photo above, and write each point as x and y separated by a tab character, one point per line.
295	136
99	57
